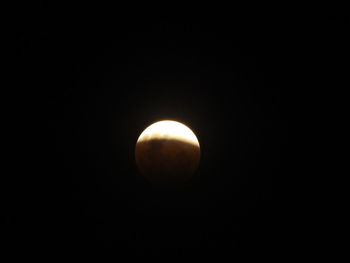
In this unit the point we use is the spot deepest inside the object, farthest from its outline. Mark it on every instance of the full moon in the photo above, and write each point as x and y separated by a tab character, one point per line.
167	152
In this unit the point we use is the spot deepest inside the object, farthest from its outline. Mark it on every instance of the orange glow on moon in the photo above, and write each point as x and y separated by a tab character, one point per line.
167	152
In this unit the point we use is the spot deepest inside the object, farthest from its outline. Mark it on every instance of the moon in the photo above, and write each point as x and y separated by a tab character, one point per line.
167	152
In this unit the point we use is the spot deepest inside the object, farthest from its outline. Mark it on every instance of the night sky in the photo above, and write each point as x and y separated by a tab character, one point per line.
100	84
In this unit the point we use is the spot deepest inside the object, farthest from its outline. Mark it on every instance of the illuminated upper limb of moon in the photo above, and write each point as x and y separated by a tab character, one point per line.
171	130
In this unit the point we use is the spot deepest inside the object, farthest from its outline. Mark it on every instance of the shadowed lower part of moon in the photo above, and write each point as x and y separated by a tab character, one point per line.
167	161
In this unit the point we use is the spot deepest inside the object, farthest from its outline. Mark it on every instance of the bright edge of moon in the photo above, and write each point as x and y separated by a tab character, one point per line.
169	130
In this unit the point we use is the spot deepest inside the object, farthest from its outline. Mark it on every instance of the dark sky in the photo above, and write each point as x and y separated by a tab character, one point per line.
99	85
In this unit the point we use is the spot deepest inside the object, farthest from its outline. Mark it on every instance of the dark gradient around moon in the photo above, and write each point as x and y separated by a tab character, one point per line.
167	161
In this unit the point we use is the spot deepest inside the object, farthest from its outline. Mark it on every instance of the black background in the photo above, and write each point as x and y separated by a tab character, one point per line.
98	83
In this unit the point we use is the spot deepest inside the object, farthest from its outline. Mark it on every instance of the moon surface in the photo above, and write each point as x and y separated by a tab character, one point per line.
167	152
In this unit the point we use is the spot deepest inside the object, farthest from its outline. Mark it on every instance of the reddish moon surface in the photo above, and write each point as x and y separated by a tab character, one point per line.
167	152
